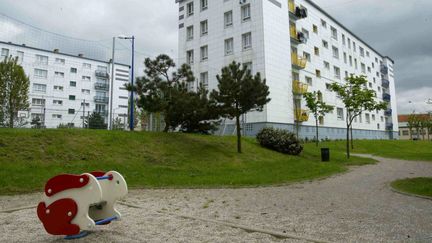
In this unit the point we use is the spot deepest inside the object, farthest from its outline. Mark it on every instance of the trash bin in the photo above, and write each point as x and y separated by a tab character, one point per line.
325	154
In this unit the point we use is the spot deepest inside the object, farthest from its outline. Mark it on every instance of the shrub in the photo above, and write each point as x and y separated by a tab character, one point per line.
279	140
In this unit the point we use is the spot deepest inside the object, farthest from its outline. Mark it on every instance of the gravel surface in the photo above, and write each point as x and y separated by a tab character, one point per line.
357	206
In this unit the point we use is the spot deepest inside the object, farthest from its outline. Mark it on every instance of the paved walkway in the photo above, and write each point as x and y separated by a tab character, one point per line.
357	206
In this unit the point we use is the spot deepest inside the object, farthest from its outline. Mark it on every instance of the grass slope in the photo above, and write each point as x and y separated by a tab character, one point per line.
398	149
419	186
28	158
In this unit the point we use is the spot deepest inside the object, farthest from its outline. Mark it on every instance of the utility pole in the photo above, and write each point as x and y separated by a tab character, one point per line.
111	87
131	122
83	119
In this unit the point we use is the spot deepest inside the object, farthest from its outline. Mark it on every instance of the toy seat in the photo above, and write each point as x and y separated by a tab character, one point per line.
73	204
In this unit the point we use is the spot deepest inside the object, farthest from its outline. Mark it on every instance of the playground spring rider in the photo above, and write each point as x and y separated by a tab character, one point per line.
73	204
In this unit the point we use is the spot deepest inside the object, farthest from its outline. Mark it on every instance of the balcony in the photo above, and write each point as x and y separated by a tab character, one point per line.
389	126
101	86
384	69
301	115
296	37
386	97
299	88
101	99
388	112
101	74
101	112
385	83
298	62
296	12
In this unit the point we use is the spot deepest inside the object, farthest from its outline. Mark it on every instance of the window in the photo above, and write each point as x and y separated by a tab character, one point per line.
345	57
204	80
229	46
190	9
349	43
42	59
190	32
340	114
315	29
56	116
346	74
350	61
343	39
373	117
72	83
305	33
335	52
39	73
247	41
316	50
190	57
370	85
308	80
20	56
85	91
39	88
38	102
334	33
369	69
354	46
57	102
307	56
71	111
245	12
204	5
204	53
405	133
361	51
4	53
355	63
325	44
86	65
228	19
73	70
327	86
318	73
86	78
336	71
204	27
323	24
367	54
248	66
363	68
367	116
60	61
326	65
58	88
58	74
321	120
71	97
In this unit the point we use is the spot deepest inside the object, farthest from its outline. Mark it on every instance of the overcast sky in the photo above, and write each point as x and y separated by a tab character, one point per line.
400	29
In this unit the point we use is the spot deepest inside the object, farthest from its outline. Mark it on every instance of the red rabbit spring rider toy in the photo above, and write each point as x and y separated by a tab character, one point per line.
73	204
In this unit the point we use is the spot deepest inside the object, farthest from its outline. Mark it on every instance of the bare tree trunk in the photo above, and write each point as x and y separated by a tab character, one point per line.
352	138
348	141
239	150
316	127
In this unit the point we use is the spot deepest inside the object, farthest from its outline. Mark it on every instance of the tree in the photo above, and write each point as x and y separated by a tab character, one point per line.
36	122
14	89
118	124
165	92
357	98
317	107
424	121
238	93
95	121
429	126
412	123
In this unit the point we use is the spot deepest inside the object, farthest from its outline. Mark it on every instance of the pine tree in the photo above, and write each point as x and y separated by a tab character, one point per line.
238	93
14	89
95	121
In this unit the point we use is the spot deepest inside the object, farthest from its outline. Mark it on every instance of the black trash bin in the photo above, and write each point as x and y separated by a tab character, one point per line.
325	154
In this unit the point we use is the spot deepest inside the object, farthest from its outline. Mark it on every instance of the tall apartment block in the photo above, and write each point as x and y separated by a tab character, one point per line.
65	89
297	47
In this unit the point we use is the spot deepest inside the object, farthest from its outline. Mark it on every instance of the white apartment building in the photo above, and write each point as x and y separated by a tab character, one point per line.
297	47
65	89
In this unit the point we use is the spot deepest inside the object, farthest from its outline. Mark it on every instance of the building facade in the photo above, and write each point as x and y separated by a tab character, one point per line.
66	89
297	47
413	133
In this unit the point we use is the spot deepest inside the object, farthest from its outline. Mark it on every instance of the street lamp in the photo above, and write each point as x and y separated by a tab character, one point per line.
131	119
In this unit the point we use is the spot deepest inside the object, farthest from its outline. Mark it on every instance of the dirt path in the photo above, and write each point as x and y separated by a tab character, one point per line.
357	206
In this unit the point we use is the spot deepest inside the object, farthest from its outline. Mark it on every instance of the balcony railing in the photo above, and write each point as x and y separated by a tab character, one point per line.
389	127
101	99
385	83
293	32
298	62
301	115
296	12
291	6
101	86
101	112
299	87
386	97
388	112
102	74
384	69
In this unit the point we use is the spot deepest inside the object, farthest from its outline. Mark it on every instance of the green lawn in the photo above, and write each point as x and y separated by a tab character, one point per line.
28	158
419	186
398	149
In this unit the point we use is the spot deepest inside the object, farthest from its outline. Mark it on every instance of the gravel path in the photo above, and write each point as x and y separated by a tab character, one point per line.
357	206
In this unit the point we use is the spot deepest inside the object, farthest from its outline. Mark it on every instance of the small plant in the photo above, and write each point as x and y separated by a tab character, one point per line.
279	140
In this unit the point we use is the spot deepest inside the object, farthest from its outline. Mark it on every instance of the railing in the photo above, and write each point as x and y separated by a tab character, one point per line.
388	112
293	32
385	83
386	97
384	69
389	127
102	86
301	115
101	99
291	6
299	87
101	112
299	62
102	74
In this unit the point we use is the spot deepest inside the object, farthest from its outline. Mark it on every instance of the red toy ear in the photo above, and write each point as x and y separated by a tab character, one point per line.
57	217
97	173
64	182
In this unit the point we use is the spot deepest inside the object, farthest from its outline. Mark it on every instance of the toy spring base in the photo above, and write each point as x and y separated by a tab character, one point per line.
78	236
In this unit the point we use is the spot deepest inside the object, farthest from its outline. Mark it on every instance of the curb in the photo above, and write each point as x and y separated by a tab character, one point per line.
410	194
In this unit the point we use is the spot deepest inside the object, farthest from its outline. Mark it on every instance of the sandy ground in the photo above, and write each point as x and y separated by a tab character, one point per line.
357	206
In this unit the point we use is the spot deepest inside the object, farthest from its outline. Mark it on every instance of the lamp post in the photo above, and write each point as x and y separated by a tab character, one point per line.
132	106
